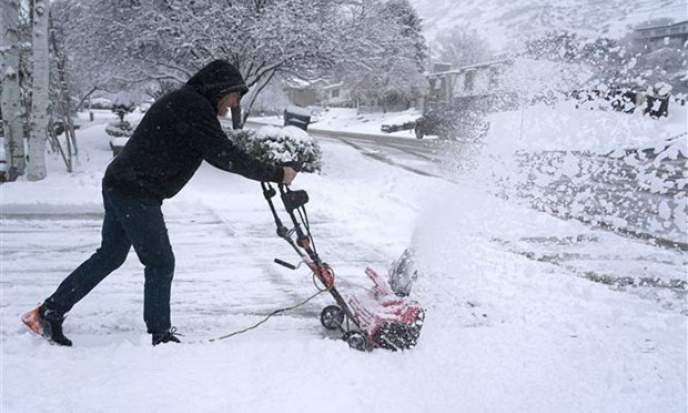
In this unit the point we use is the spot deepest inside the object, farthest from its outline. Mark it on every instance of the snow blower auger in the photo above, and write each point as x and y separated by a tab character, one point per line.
377	318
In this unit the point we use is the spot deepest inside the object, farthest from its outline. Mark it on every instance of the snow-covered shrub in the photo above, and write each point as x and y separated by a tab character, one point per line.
276	144
119	129
121	110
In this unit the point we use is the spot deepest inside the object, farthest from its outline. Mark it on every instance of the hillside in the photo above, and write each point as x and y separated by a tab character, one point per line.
507	23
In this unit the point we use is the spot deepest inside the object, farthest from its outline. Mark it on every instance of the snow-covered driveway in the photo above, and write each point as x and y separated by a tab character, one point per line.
504	332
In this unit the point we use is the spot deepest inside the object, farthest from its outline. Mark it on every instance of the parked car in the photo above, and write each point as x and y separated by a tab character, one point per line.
101	103
59	126
463	119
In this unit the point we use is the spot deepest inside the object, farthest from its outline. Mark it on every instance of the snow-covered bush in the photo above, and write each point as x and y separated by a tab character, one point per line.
121	110
275	144
118	129
119	133
121	128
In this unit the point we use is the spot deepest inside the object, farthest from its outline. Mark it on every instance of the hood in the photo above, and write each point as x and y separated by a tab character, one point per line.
216	80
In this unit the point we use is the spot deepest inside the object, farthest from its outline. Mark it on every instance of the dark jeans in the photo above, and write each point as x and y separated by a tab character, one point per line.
129	221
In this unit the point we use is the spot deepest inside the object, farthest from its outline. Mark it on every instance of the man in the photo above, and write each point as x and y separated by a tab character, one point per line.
177	133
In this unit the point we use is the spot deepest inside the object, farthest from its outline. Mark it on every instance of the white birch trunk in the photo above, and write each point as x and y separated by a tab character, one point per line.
40	98
10	99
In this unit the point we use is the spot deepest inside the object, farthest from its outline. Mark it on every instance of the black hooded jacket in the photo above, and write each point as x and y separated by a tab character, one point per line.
178	132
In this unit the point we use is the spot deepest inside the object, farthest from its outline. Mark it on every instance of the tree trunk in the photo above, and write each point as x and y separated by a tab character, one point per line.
65	100
40	102
10	100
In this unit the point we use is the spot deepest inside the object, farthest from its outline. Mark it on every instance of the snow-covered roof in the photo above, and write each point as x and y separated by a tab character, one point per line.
319	83
528	75
468	68
663	26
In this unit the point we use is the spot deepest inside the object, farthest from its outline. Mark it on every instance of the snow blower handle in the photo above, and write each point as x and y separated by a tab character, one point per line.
292	200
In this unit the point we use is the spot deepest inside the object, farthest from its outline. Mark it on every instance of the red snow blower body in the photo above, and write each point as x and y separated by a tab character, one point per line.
380	317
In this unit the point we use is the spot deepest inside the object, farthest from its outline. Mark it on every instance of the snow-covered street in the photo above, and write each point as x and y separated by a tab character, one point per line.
508	327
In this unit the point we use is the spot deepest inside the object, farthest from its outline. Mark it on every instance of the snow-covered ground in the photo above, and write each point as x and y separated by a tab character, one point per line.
503	333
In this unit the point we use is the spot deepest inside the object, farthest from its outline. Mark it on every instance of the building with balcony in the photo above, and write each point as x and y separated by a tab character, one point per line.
675	32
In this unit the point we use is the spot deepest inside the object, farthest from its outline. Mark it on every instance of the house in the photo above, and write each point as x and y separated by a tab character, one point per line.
319	92
333	93
675	32
501	84
447	84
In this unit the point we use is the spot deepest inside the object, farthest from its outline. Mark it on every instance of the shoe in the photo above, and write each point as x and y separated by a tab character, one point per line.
169	336
47	323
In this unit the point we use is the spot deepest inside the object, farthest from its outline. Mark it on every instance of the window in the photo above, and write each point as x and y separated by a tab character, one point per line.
335	93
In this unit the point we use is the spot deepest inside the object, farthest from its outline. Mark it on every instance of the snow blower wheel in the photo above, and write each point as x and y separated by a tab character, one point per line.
332	317
357	341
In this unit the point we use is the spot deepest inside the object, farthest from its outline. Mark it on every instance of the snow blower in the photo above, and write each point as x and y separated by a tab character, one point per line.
381	317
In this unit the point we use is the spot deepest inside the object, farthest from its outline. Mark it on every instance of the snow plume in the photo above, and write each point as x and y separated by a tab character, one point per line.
458	272
533	79
621	171
624	171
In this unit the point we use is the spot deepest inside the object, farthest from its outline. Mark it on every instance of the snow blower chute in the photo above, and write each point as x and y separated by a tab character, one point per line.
381	317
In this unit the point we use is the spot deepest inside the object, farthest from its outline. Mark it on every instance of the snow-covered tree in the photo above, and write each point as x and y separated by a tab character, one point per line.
460	46
61	97
405	17
152	40
10	99
404	78
40	98
124	42
84	78
386	62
